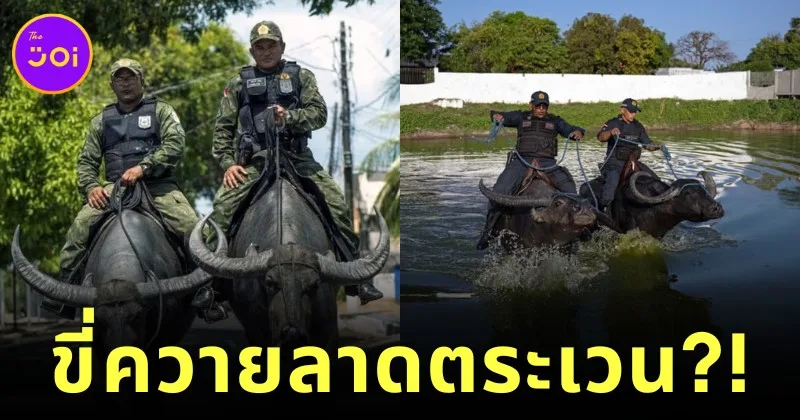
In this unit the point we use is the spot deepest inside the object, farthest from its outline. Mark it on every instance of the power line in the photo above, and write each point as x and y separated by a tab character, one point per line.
378	61
346	129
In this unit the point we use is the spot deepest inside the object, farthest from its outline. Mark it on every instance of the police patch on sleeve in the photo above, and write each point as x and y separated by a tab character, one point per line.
144	121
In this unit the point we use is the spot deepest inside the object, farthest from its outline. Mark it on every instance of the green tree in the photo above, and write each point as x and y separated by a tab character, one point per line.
386	157
773	51
598	44
640	49
325	7
132	24
422	32
507	43
590	45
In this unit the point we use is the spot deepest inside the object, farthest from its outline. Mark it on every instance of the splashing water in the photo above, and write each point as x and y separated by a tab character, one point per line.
546	271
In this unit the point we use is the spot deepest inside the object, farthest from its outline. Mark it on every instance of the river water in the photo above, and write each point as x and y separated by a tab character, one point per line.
735	274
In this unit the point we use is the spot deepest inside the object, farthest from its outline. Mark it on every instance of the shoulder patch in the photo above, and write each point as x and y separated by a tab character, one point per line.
305	72
97	119
163	102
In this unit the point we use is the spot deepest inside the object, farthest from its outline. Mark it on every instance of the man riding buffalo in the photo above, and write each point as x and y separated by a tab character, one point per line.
240	133
629	129
140	139
537	143
632	195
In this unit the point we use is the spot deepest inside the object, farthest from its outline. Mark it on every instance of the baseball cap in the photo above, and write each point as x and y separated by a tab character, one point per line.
265	30
127	63
540	97
631	105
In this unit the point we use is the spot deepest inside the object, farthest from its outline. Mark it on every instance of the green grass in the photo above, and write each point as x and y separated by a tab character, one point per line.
424	119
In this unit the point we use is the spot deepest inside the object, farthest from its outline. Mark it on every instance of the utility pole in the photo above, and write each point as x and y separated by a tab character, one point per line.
332	156
348	159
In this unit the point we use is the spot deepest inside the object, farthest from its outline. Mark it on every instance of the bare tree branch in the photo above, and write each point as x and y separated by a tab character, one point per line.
702	48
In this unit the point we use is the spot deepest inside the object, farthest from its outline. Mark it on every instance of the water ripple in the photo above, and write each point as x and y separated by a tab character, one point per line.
443	212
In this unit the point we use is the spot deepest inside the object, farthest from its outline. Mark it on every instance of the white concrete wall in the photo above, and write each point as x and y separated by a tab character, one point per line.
565	88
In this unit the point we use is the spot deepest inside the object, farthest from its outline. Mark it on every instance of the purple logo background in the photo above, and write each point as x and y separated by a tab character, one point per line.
52	31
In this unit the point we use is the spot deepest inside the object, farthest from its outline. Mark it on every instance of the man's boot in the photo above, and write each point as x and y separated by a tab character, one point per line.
491	219
58	308
209	307
366	292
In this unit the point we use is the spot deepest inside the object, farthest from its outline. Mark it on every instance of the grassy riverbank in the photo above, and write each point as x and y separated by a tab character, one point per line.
422	121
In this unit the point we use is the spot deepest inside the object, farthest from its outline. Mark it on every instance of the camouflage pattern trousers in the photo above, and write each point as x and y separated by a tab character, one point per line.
175	209
227	200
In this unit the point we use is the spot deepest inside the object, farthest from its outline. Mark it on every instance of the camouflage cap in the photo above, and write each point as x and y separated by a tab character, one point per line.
265	30
127	63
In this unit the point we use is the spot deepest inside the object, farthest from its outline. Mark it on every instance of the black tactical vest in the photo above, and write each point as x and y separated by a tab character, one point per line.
537	137
260	91
632	132
128	138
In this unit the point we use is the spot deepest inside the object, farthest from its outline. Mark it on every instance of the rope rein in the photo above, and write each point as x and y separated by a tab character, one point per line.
132	197
497	127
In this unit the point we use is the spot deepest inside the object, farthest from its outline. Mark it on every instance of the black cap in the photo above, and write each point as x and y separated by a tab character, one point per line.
540	97
631	105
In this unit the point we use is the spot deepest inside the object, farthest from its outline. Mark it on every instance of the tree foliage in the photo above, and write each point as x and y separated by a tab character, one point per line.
507	43
128	24
132	24
773	51
590	46
595	44
422	32
325	7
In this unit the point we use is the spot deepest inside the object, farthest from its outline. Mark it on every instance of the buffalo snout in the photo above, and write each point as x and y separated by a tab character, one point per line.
715	211
292	337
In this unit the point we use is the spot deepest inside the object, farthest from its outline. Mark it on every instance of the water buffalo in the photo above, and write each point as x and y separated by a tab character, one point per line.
282	271
542	216
645	202
134	279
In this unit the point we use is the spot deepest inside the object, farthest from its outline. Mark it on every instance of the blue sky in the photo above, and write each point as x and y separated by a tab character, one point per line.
741	23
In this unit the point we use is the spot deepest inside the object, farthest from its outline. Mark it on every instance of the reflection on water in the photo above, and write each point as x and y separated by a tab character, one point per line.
739	273
444	211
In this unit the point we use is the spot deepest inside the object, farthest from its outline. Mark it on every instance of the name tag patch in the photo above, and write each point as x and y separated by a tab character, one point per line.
259	82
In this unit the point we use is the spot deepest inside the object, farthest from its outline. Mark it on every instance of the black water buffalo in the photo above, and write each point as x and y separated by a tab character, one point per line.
542	216
645	202
282	271
134	279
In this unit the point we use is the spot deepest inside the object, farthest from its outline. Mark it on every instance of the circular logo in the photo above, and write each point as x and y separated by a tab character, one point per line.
52	54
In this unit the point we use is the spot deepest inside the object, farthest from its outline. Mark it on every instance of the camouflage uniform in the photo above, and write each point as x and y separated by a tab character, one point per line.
175	209
310	114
